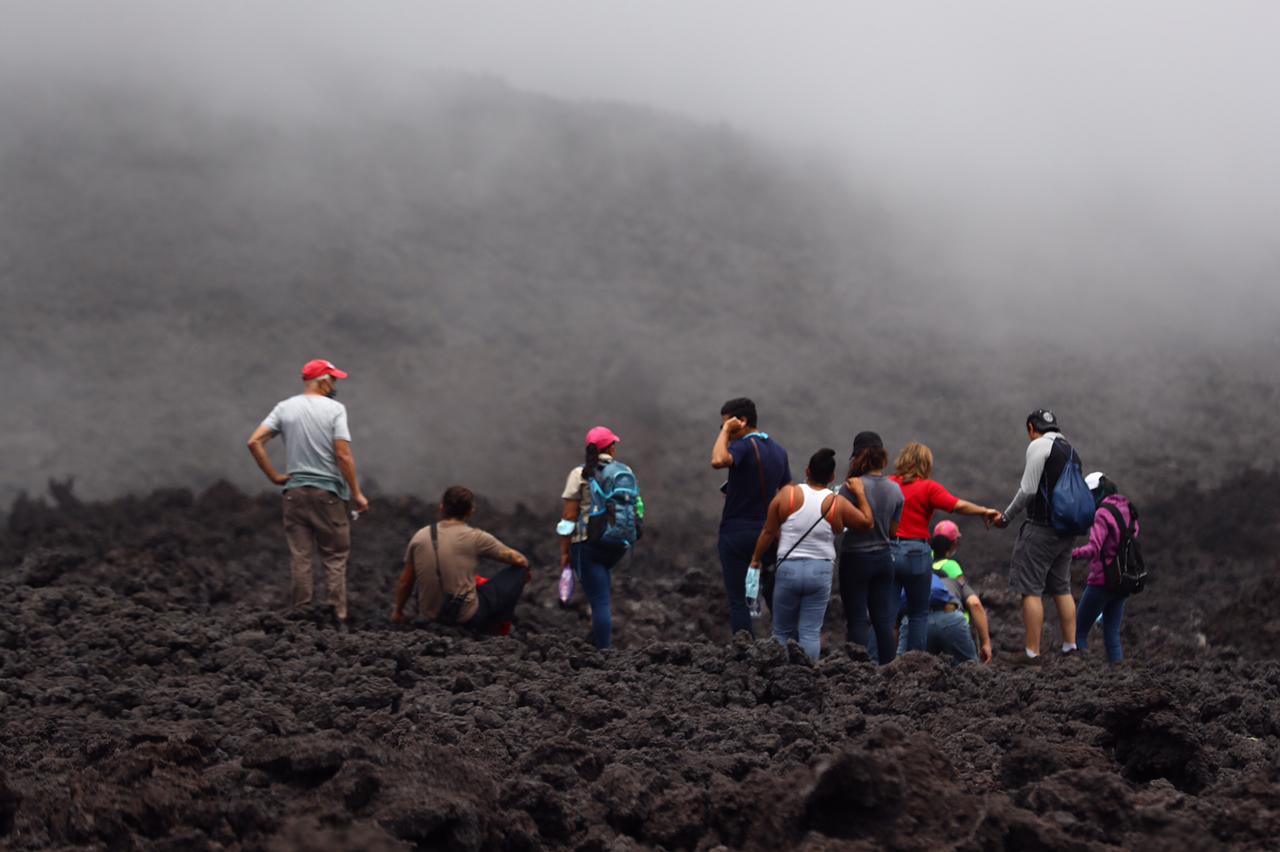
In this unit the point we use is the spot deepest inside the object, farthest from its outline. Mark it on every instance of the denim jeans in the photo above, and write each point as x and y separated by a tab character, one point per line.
1095	600
948	633
870	599
912	570
800	601
736	549
593	561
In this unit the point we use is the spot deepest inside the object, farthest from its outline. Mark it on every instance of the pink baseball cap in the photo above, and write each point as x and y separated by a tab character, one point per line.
947	529
320	367
602	437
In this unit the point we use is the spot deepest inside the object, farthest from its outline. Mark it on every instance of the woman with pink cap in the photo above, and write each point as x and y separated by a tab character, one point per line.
601	520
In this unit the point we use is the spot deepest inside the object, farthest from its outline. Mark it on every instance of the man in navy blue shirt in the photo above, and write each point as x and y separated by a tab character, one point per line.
758	467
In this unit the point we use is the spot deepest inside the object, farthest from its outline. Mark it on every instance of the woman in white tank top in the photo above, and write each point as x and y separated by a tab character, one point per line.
804	521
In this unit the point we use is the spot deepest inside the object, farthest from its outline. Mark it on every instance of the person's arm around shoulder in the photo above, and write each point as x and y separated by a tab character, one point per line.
779	510
978	614
258	449
347	464
856	515
720	455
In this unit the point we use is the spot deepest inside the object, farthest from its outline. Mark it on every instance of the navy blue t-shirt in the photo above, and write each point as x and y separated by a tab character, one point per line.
745	507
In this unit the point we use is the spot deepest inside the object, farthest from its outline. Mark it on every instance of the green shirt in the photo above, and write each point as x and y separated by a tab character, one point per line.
948	568
951	569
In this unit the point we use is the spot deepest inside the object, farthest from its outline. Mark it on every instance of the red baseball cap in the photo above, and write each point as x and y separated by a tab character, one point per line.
320	367
602	437
947	529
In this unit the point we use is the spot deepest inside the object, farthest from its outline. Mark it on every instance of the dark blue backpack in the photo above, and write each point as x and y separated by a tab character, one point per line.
1071	503
940	594
616	516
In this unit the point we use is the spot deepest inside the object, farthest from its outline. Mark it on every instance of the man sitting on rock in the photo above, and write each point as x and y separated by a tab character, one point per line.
442	559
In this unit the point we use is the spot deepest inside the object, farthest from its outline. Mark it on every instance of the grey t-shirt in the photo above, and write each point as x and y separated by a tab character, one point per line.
310	423
885	498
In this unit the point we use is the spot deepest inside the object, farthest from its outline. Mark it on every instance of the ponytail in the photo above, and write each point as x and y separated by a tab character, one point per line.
592	462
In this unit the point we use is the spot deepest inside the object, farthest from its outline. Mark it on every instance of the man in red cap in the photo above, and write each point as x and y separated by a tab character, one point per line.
320	482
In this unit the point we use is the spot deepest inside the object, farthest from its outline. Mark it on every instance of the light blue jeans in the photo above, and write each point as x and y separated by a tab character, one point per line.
800	598
948	634
912	570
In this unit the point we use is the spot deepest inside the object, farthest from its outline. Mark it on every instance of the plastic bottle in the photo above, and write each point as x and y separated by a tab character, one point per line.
755	601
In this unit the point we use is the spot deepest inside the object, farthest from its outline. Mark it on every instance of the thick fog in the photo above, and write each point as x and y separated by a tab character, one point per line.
513	220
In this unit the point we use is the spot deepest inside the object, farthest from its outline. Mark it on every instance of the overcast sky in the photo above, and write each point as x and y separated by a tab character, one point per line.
1125	126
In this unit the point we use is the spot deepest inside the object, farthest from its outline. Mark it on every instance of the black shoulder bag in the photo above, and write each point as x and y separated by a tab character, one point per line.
451	607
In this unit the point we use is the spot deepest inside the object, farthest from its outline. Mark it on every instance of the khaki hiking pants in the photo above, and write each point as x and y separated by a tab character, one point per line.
316	521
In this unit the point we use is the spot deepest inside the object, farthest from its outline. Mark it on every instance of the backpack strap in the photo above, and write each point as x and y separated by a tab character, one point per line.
1126	530
435	549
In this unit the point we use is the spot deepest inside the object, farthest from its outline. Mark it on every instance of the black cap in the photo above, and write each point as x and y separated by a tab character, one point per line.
866	441
1043	420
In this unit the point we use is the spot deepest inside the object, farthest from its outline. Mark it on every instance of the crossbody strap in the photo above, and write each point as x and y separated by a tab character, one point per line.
435	549
764	492
822	516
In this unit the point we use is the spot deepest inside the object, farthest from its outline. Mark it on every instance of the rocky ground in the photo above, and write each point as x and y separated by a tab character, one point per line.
152	696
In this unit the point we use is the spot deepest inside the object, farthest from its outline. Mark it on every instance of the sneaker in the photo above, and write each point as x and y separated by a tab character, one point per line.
1020	658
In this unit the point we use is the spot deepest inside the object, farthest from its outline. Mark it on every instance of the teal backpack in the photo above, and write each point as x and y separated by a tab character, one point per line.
617	510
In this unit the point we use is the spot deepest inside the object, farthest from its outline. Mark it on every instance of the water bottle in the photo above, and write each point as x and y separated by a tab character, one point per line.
755	602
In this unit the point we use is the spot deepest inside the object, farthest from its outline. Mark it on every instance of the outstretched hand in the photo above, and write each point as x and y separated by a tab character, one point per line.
991	518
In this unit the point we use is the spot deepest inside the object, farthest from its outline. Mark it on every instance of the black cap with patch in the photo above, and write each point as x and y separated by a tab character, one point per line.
1043	420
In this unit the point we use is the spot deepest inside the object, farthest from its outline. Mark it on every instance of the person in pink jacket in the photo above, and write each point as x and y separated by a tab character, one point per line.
1104	541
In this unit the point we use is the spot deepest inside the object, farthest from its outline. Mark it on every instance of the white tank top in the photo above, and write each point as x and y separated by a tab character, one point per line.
819	544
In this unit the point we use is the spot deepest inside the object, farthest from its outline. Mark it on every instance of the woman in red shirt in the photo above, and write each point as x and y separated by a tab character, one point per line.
912	555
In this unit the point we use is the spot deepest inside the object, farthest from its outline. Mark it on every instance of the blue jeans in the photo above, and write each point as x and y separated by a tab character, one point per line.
912	569
948	634
800	601
593	562
736	548
1095	600
870	599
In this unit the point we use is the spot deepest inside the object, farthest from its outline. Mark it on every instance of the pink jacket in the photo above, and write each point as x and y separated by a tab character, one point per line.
1104	538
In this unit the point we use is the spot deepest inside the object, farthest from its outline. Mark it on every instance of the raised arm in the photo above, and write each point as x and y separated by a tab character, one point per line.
989	515
258	449
857	515
720	455
347	464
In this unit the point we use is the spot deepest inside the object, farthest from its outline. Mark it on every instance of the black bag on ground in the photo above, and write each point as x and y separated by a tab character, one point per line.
1126	572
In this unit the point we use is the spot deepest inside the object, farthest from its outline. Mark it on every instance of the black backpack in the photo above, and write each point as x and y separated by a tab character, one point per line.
1126	572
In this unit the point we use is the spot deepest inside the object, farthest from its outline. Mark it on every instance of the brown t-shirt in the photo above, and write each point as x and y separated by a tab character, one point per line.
461	548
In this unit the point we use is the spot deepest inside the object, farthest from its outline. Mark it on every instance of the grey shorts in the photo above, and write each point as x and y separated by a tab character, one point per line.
1041	562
